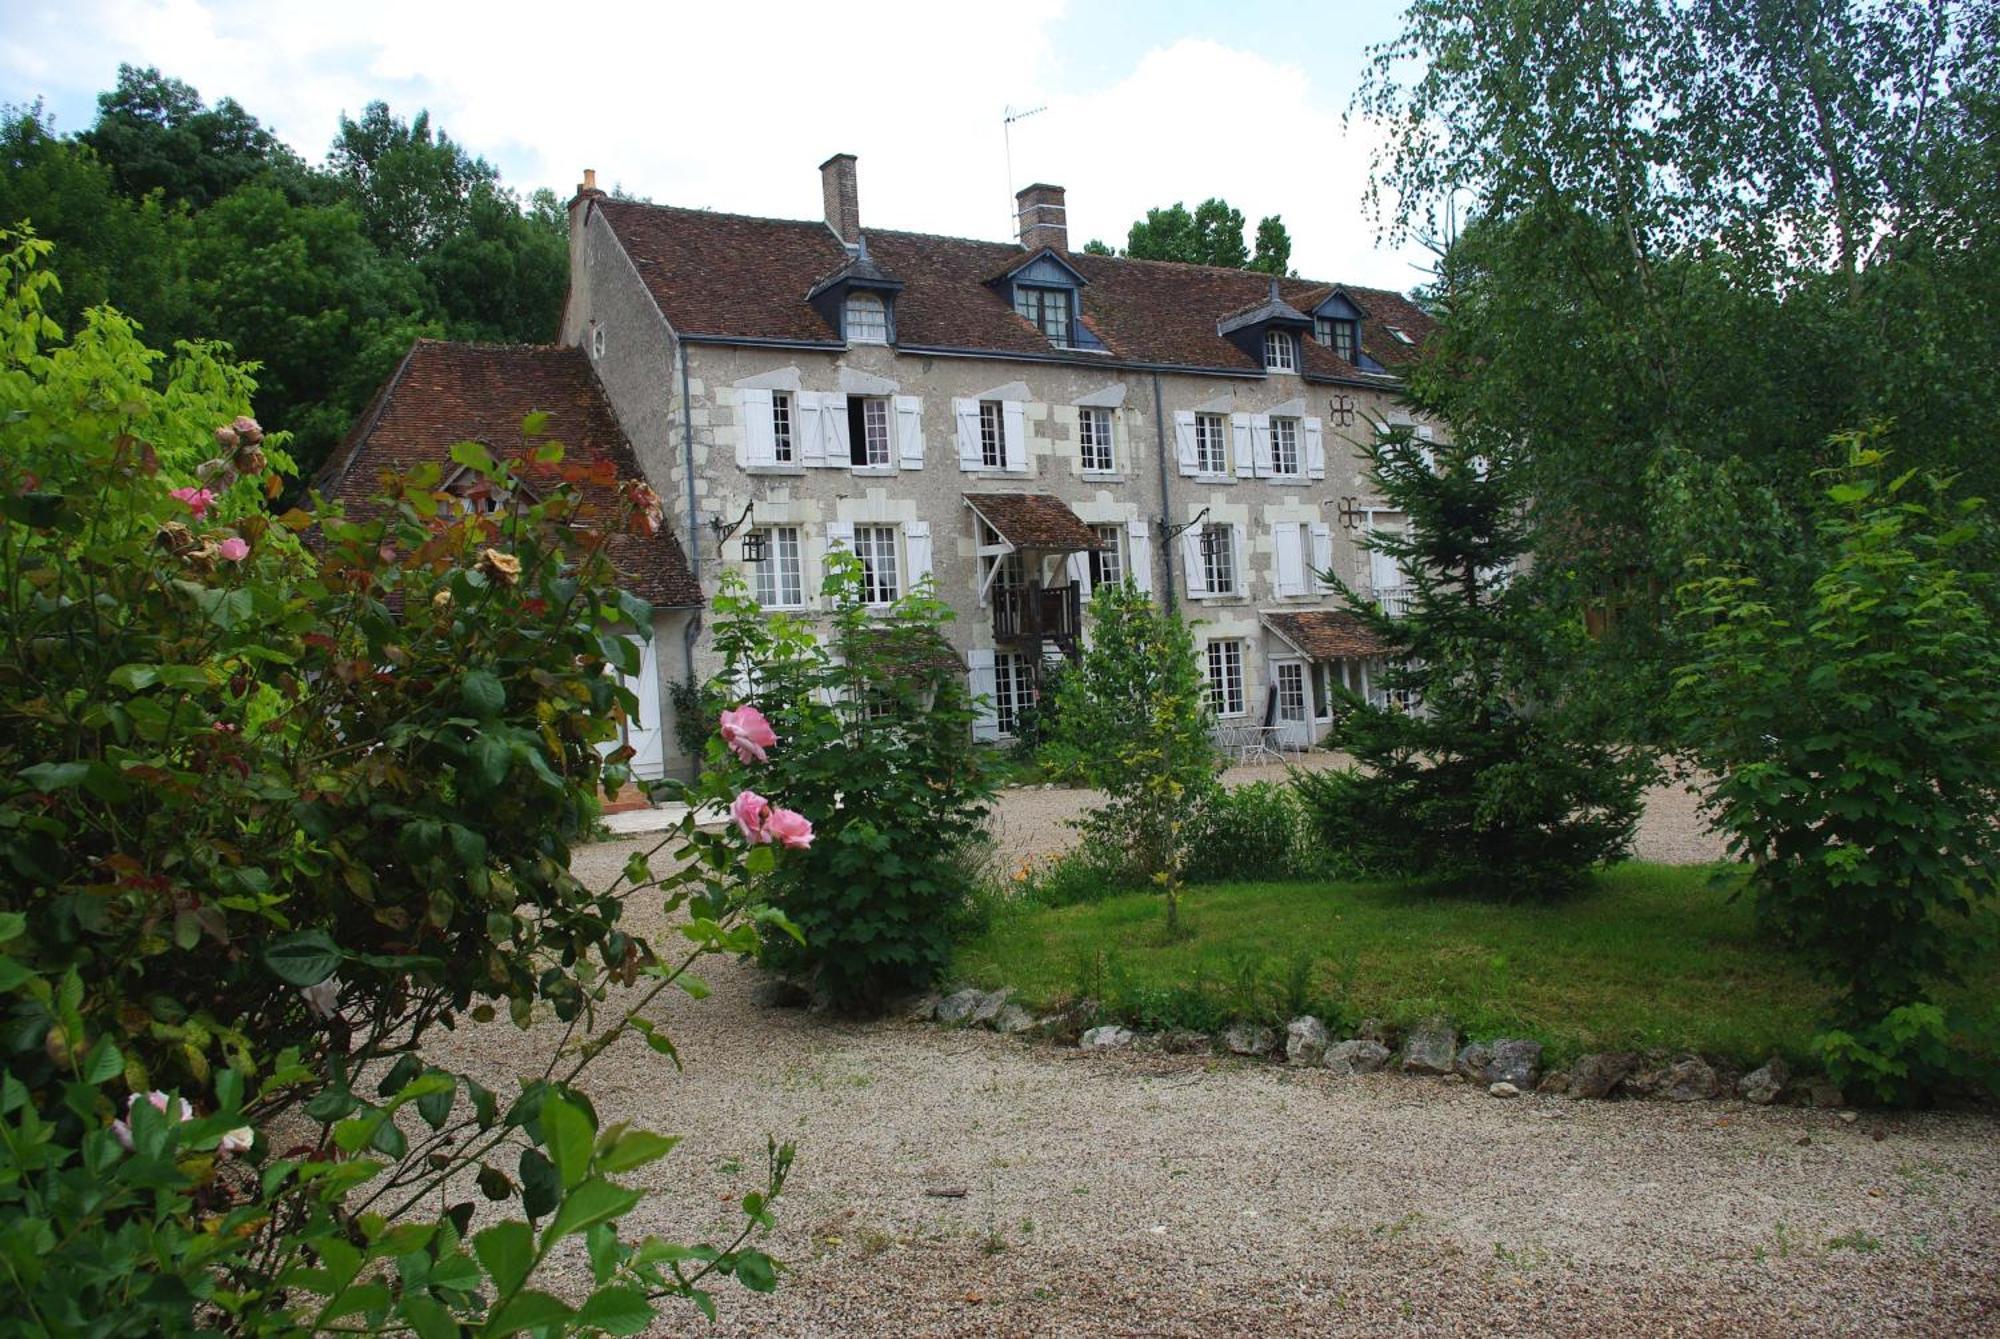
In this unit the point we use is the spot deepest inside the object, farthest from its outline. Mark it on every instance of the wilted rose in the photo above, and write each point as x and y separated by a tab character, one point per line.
321	999
225	437
247	430
236	1142
502	567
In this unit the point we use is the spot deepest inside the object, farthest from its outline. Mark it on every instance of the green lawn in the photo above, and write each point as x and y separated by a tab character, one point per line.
1649	956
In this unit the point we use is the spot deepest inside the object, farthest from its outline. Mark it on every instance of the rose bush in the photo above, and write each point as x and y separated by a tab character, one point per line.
270	813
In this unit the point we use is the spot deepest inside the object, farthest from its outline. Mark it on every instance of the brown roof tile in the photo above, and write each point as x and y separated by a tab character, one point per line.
1035	521
445	393
1326	634
731	276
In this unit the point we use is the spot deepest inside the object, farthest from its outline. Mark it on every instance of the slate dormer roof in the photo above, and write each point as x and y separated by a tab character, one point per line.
860	271
732	278
1272	310
444	393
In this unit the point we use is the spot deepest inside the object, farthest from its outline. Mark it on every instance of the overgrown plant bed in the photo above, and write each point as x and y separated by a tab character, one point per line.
1648	959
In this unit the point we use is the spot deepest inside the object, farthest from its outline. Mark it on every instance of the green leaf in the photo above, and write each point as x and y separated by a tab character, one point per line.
303	959
13	924
474	456
569	1135
492	755
541	1188
635	1148
526	1311
595	1201
507	1251
103	1063
49	777
435	1106
493	1183
616	1310
428	1318
483	693
756	1271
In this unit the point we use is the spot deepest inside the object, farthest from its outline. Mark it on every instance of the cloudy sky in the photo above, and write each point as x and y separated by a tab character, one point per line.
733	105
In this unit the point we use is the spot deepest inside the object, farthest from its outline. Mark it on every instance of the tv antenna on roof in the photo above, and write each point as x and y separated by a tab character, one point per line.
1008	116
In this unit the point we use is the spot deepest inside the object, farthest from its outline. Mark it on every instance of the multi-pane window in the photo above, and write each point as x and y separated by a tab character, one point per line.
1284	446
992	436
1339	334
1211	444
1291	690
1225	677
1048	308
867	319
1280	353
875	546
868	429
1013	690
1093	435
779	578
781	427
1218	559
1107	565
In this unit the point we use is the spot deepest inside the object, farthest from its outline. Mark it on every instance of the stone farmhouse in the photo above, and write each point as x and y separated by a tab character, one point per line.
1015	421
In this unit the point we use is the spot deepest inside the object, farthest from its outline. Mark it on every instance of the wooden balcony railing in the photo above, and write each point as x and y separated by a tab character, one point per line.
1030	614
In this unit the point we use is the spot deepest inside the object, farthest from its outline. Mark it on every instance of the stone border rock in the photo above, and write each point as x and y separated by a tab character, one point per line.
1505	1067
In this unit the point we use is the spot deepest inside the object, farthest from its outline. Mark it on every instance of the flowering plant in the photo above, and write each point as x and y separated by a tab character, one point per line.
273	811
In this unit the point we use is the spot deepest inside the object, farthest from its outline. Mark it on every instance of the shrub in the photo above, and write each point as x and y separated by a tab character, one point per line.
268	820
1253	831
877	730
1497	777
1855	746
1136	709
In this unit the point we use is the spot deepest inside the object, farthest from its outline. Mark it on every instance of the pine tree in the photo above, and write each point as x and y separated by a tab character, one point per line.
1480	772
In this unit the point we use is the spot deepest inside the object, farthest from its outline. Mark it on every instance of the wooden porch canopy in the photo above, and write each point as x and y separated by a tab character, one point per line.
1325	634
1030	523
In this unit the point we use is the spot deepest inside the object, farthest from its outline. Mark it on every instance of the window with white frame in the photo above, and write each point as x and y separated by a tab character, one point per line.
1291	681
1211	444
868	429
992	436
1341	335
867	320
875	546
1280	353
1218	559
1400	335
1285	446
1013	690
781	427
1107	565
1048	308
779	578
1093	436
1225	677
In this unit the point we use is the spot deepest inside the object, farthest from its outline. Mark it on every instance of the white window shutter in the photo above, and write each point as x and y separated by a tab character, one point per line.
1322	556
809	428
1288	539
756	444
986	721
1197	570
1140	551
1315	449
1239	426
917	548
1013	417
1236	551
1184	440
833	412
910	431
965	415
1079	573
840	535
1261	461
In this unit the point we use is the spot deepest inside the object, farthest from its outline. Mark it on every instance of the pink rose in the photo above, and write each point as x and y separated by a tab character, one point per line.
196	500
790	828
236	1141
233	549
750	811
122	1130
321	999
747	733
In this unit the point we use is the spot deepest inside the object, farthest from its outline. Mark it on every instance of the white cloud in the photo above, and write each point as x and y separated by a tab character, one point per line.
733	106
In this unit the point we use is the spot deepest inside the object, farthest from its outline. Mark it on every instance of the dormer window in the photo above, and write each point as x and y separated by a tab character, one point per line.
1340	334
1048	308
866	319
1400	335
1280	353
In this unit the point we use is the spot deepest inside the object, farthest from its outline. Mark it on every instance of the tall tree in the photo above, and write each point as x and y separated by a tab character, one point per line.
1211	235
1274	247
414	187
156	134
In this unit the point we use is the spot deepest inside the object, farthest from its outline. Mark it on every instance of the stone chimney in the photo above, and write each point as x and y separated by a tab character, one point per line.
1039	211
842	197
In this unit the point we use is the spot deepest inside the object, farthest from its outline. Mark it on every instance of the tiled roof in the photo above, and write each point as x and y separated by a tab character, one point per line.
1326	634
1035	521
445	393
911	648
731	276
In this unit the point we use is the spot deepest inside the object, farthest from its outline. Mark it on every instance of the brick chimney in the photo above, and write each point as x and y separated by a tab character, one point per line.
1043	222
842	197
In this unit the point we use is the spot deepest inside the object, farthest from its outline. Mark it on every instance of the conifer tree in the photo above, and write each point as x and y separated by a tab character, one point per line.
1479	771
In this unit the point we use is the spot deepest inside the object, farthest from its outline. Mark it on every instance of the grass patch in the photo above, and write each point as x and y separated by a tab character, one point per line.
1649	956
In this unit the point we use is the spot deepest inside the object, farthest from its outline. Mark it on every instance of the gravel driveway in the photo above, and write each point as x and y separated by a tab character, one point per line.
1028	821
1153	1195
